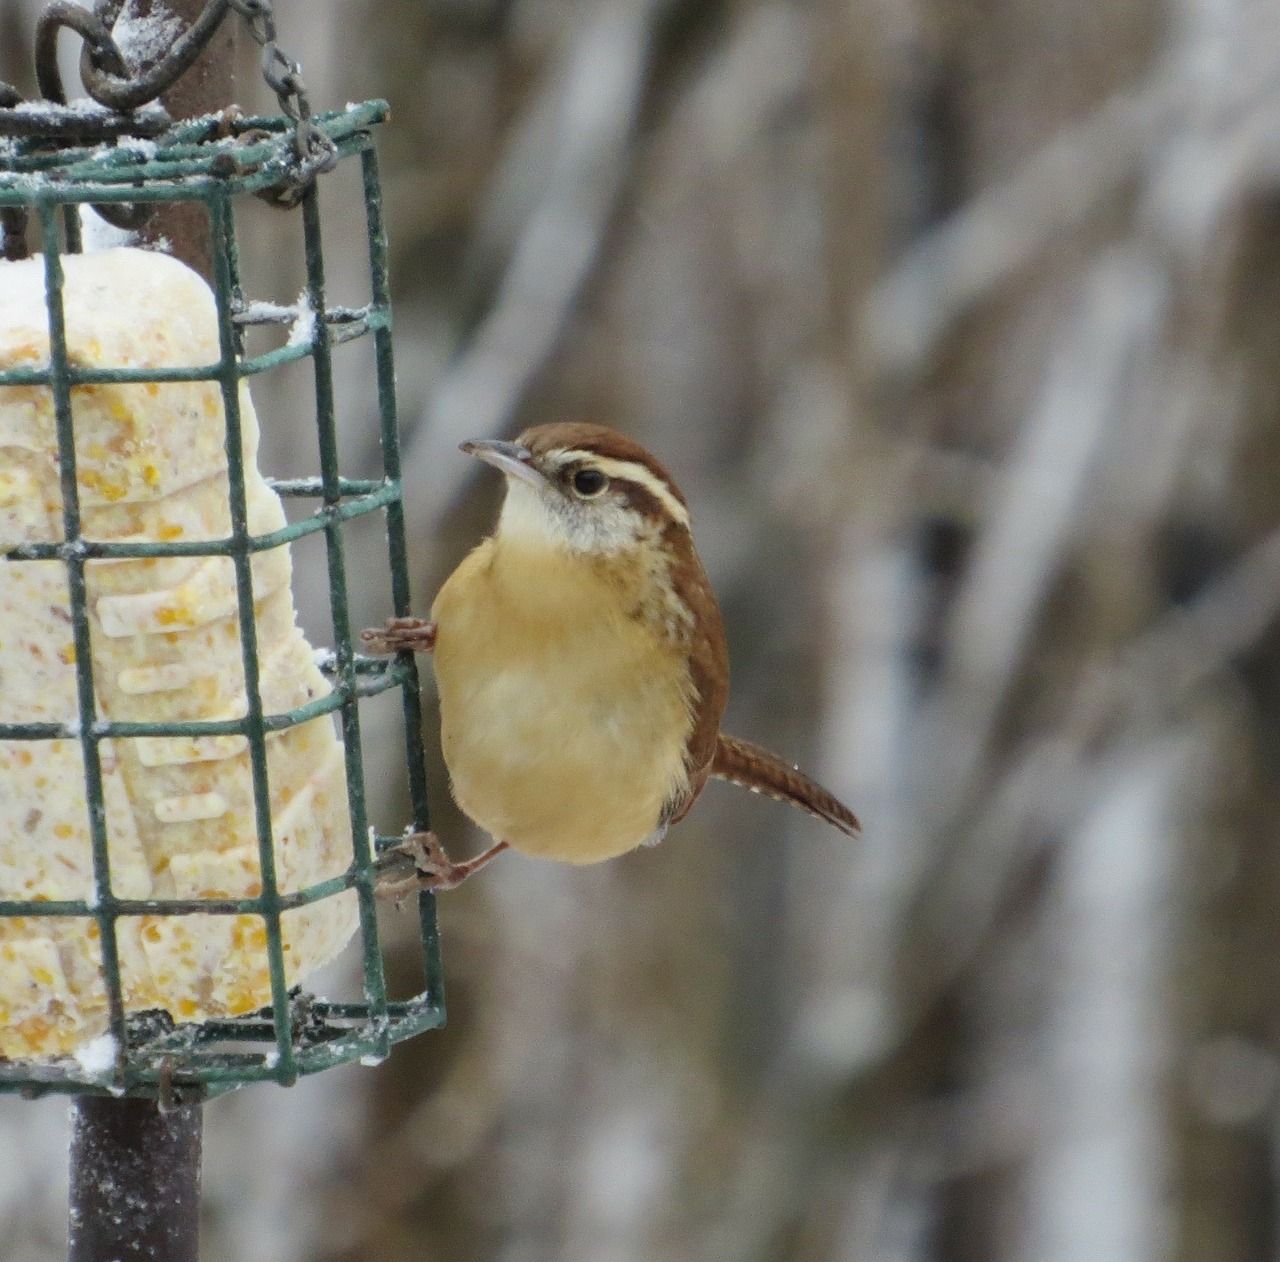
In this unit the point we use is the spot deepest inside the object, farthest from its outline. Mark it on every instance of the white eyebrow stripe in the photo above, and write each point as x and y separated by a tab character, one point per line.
632	471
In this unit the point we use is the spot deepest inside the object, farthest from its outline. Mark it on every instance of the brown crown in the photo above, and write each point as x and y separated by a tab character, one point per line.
600	439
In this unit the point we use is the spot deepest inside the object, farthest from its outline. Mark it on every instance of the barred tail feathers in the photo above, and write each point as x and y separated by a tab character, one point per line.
756	768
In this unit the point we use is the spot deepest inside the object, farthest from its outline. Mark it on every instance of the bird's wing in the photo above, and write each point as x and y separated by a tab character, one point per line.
755	768
707	660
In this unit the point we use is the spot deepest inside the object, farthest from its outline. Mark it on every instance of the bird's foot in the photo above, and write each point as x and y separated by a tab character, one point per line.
416	635
432	868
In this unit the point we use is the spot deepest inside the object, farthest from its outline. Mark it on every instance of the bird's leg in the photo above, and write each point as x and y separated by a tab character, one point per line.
433	869
417	635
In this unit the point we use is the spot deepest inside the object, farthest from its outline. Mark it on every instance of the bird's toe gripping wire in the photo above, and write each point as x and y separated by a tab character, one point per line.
431	869
416	635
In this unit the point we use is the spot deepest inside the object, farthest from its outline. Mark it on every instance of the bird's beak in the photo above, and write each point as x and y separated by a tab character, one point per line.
510	458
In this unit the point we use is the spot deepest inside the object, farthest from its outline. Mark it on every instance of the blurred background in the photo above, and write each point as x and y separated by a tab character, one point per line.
958	322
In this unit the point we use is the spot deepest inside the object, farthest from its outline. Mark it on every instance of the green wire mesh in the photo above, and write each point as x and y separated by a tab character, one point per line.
298	1034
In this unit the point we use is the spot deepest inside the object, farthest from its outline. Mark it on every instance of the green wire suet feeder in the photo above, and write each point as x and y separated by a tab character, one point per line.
111	563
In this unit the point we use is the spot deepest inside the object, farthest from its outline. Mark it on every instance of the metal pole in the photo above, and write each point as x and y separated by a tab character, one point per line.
135	1167
207	87
135	1181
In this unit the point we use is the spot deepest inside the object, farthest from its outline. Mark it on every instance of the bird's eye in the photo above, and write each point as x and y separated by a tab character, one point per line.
588	482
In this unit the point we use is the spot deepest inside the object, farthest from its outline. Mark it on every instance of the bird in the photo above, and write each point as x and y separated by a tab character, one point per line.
581	664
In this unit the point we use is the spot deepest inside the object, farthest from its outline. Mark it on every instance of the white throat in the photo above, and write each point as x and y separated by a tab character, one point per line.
527	519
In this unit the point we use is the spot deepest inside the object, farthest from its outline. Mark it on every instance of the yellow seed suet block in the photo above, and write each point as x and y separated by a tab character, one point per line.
165	637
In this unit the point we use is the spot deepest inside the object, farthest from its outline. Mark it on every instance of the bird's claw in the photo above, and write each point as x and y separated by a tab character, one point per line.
411	867
432	868
415	635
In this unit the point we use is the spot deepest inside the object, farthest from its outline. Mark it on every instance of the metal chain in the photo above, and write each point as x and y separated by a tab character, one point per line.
314	152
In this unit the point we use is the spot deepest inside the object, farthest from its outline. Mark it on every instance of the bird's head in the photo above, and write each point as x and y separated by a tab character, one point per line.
582	487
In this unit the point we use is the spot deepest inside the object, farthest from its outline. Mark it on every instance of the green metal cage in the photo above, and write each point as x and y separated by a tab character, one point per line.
216	163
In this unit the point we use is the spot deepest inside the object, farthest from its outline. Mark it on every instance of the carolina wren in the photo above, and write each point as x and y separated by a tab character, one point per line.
581	663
